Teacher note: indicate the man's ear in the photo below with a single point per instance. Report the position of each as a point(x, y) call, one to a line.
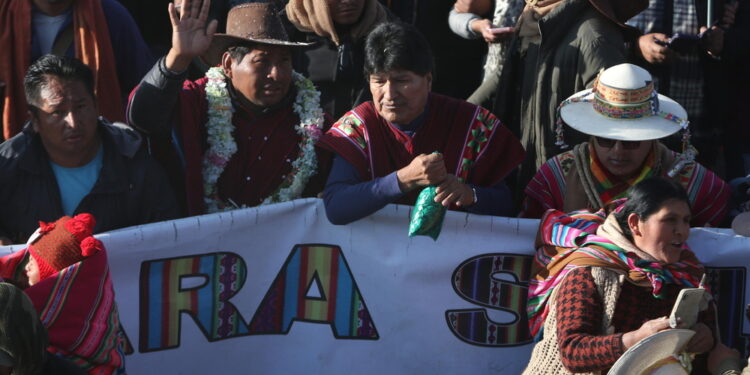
point(634, 222)
point(226, 64)
point(428, 76)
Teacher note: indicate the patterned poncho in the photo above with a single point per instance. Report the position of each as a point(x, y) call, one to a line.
point(560, 184)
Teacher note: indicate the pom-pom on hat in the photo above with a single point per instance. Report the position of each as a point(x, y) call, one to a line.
point(67, 241)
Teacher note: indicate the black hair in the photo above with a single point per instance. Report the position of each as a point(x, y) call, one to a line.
point(237, 53)
point(646, 198)
point(396, 45)
point(22, 335)
point(62, 67)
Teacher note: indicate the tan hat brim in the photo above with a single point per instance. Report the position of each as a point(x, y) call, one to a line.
point(650, 350)
point(581, 116)
point(221, 42)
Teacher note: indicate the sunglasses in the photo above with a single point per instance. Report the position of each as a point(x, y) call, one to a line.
point(610, 143)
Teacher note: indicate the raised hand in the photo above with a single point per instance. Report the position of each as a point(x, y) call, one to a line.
point(191, 37)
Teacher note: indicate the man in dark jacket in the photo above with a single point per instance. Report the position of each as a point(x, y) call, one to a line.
point(68, 160)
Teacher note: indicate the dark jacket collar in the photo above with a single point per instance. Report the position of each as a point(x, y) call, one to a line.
point(119, 141)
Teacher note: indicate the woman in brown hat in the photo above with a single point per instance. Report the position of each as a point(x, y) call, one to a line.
point(247, 131)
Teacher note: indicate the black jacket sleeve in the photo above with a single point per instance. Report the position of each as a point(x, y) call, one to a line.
point(153, 102)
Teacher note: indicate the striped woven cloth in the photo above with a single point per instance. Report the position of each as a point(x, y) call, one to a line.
point(77, 306)
point(708, 194)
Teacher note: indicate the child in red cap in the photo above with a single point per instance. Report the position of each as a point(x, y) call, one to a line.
point(64, 260)
point(55, 246)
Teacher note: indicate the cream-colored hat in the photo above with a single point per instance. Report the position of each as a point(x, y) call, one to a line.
point(657, 354)
point(623, 105)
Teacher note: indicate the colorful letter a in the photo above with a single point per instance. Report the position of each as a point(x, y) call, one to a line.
point(338, 301)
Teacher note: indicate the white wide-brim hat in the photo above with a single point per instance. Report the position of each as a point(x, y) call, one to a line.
point(579, 111)
point(648, 355)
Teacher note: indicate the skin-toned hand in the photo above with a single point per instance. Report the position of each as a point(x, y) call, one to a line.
point(718, 354)
point(483, 26)
point(190, 35)
point(451, 190)
point(653, 52)
point(422, 171)
point(5, 241)
point(647, 329)
point(703, 340)
point(714, 41)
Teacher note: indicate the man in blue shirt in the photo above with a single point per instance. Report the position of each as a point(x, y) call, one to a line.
point(67, 160)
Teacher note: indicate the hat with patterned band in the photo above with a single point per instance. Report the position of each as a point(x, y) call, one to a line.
point(622, 105)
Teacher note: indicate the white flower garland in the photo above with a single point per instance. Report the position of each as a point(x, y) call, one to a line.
point(221, 144)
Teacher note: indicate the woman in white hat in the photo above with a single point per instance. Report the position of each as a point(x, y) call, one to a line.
point(625, 118)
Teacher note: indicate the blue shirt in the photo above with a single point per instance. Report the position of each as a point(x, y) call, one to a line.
point(76, 183)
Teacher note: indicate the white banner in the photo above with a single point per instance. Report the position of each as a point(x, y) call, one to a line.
point(278, 289)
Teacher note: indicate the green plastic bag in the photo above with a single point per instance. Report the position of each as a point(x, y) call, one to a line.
point(427, 216)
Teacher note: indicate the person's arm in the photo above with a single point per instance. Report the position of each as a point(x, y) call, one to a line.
point(460, 24)
point(579, 318)
point(347, 198)
point(154, 100)
point(496, 200)
point(191, 37)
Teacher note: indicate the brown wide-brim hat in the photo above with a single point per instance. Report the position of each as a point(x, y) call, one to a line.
point(620, 11)
point(249, 24)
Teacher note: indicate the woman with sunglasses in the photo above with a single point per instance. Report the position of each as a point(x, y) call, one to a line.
point(625, 118)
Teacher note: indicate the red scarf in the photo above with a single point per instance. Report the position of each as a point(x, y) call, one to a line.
point(475, 145)
point(92, 46)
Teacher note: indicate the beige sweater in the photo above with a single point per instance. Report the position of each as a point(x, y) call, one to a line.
point(545, 358)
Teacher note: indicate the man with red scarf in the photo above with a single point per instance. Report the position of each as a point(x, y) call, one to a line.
point(247, 131)
point(101, 33)
point(407, 138)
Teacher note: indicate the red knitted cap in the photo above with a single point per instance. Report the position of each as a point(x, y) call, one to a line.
point(64, 242)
